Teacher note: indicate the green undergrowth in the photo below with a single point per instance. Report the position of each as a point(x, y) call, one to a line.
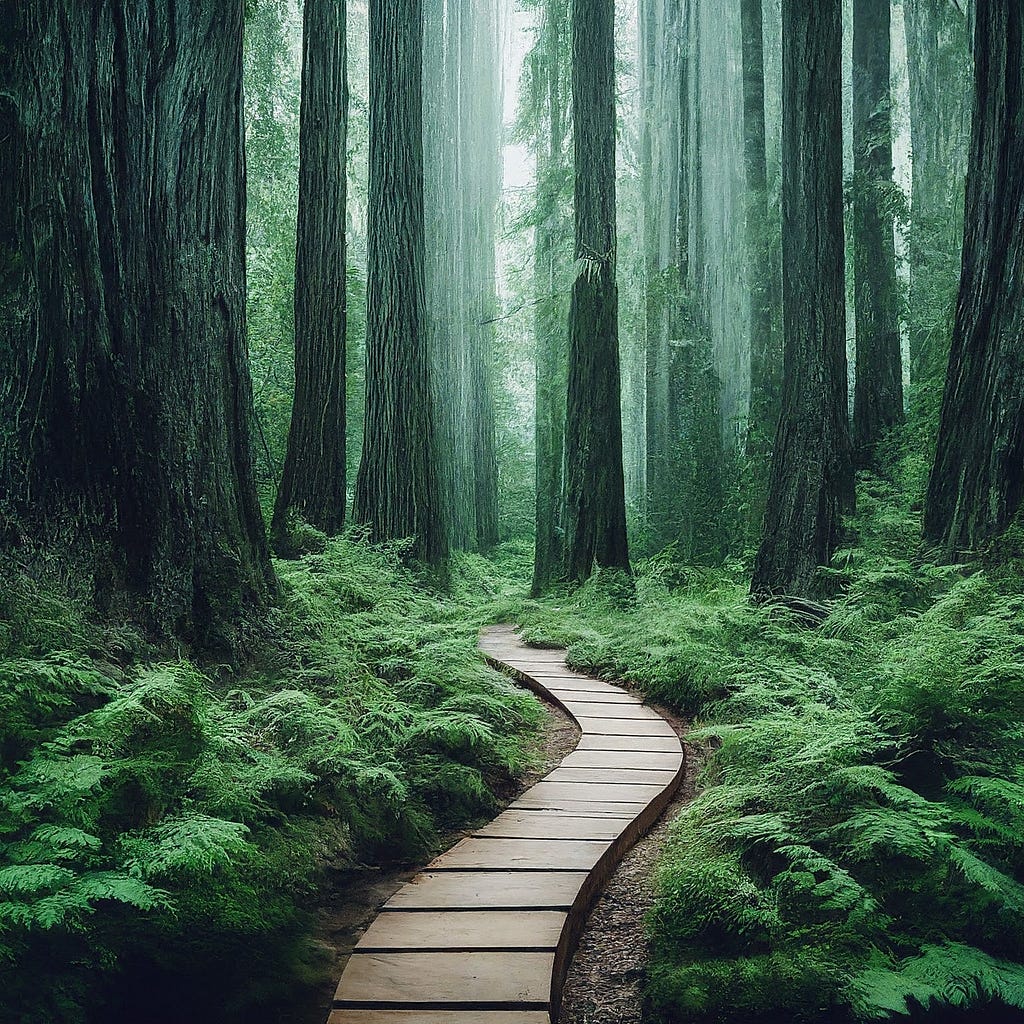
point(162, 824)
point(856, 852)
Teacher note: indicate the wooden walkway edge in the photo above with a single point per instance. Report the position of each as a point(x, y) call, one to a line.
point(485, 934)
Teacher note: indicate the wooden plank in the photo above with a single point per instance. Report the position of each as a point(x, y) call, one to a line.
point(447, 979)
point(654, 744)
point(439, 1017)
point(477, 890)
point(465, 930)
point(625, 759)
point(616, 776)
point(516, 854)
point(553, 825)
point(614, 712)
point(596, 793)
point(624, 727)
point(605, 698)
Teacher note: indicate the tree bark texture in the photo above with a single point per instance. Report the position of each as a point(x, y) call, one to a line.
point(811, 483)
point(397, 488)
point(977, 479)
point(938, 49)
point(552, 274)
point(125, 396)
point(313, 480)
point(595, 487)
point(878, 392)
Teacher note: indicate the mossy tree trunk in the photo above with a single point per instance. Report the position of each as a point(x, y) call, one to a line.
point(878, 393)
point(977, 480)
point(313, 480)
point(595, 488)
point(811, 483)
point(125, 398)
point(397, 488)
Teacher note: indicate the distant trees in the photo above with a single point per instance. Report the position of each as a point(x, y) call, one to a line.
point(765, 351)
point(660, 74)
point(938, 50)
point(398, 492)
point(878, 393)
point(462, 150)
point(811, 483)
point(549, 106)
point(313, 480)
point(977, 481)
point(595, 491)
point(125, 397)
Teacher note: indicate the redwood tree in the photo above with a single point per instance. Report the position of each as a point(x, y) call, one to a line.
point(124, 393)
point(977, 481)
point(878, 395)
point(313, 481)
point(811, 482)
point(595, 489)
point(397, 487)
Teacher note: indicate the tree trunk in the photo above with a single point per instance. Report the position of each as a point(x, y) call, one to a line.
point(977, 480)
point(595, 488)
point(313, 481)
point(878, 394)
point(552, 262)
point(765, 350)
point(125, 396)
point(938, 51)
point(397, 488)
point(811, 482)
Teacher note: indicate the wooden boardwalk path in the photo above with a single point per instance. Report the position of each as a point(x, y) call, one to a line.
point(485, 934)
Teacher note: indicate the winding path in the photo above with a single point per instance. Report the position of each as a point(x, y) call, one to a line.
point(485, 934)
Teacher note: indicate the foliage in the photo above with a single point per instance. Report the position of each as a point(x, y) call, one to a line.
point(857, 850)
point(159, 821)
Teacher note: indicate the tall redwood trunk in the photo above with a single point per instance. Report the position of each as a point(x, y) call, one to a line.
point(977, 481)
point(811, 483)
point(313, 481)
point(878, 395)
point(125, 397)
point(398, 494)
point(595, 487)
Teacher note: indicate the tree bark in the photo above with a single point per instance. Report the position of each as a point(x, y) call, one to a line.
point(811, 483)
point(938, 52)
point(878, 393)
point(552, 261)
point(397, 488)
point(125, 395)
point(313, 480)
point(977, 480)
point(595, 487)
